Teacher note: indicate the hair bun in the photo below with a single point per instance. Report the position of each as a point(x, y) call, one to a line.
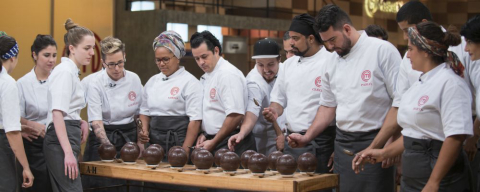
point(452, 37)
point(69, 24)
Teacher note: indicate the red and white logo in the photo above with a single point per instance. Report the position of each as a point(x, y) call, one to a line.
point(174, 91)
point(422, 100)
point(132, 96)
point(366, 75)
point(212, 93)
point(318, 81)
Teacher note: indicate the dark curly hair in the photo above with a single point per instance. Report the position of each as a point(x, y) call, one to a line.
point(471, 29)
point(205, 37)
point(331, 15)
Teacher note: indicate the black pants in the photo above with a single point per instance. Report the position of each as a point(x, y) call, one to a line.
point(118, 135)
point(374, 178)
point(38, 166)
point(55, 157)
point(419, 159)
point(8, 181)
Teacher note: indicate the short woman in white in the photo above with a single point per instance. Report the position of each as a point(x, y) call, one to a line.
point(11, 145)
point(33, 91)
point(435, 114)
point(171, 110)
point(65, 100)
point(114, 98)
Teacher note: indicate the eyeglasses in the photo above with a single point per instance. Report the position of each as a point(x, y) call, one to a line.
point(165, 60)
point(112, 65)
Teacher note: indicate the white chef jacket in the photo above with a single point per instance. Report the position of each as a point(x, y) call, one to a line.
point(437, 106)
point(114, 102)
point(33, 98)
point(259, 89)
point(9, 103)
point(65, 92)
point(224, 92)
point(361, 84)
point(86, 81)
point(178, 95)
point(299, 88)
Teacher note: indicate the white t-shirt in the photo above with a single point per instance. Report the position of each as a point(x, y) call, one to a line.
point(259, 89)
point(361, 84)
point(299, 88)
point(9, 103)
point(178, 95)
point(436, 107)
point(65, 92)
point(224, 92)
point(114, 102)
point(33, 98)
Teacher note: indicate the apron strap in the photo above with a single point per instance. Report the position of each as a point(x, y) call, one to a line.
point(119, 132)
point(175, 138)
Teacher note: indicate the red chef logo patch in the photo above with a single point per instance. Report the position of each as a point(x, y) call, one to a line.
point(366, 75)
point(212, 93)
point(132, 96)
point(174, 91)
point(422, 100)
point(318, 81)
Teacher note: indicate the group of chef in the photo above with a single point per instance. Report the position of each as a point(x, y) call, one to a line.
point(348, 98)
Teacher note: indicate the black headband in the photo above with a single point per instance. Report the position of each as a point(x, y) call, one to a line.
point(303, 24)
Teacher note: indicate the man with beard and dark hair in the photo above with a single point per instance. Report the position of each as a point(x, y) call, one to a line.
point(299, 88)
point(357, 90)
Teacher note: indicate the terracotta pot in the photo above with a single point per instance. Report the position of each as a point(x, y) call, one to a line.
point(153, 155)
point(194, 152)
point(218, 156)
point(272, 160)
point(107, 152)
point(258, 163)
point(230, 161)
point(307, 162)
point(286, 164)
point(204, 159)
point(129, 152)
point(245, 156)
point(177, 156)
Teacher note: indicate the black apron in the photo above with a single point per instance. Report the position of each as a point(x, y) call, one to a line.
point(419, 159)
point(36, 161)
point(55, 157)
point(167, 131)
point(8, 181)
point(374, 178)
point(248, 143)
point(118, 135)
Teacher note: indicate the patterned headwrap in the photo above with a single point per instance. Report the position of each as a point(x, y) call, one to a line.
point(12, 52)
point(437, 49)
point(172, 41)
point(2, 33)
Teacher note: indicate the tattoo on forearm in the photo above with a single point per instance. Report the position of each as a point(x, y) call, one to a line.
point(100, 133)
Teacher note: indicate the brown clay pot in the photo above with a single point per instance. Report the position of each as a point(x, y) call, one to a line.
point(245, 156)
point(230, 161)
point(272, 160)
point(218, 156)
point(153, 155)
point(107, 152)
point(286, 164)
point(194, 152)
point(257, 163)
point(177, 156)
point(204, 159)
point(307, 162)
point(129, 152)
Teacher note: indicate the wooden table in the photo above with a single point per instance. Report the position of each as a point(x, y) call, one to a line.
point(191, 177)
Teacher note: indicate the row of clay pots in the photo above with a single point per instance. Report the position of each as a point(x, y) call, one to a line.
point(203, 159)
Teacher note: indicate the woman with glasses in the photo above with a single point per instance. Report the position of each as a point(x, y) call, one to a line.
point(114, 98)
point(171, 110)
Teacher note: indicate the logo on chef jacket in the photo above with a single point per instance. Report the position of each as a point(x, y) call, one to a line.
point(318, 83)
point(366, 76)
point(213, 92)
point(174, 91)
point(132, 96)
point(422, 100)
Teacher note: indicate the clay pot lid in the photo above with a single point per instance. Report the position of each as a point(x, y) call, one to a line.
point(245, 156)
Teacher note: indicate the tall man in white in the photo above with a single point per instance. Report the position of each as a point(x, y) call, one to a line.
point(225, 95)
point(298, 88)
point(358, 89)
